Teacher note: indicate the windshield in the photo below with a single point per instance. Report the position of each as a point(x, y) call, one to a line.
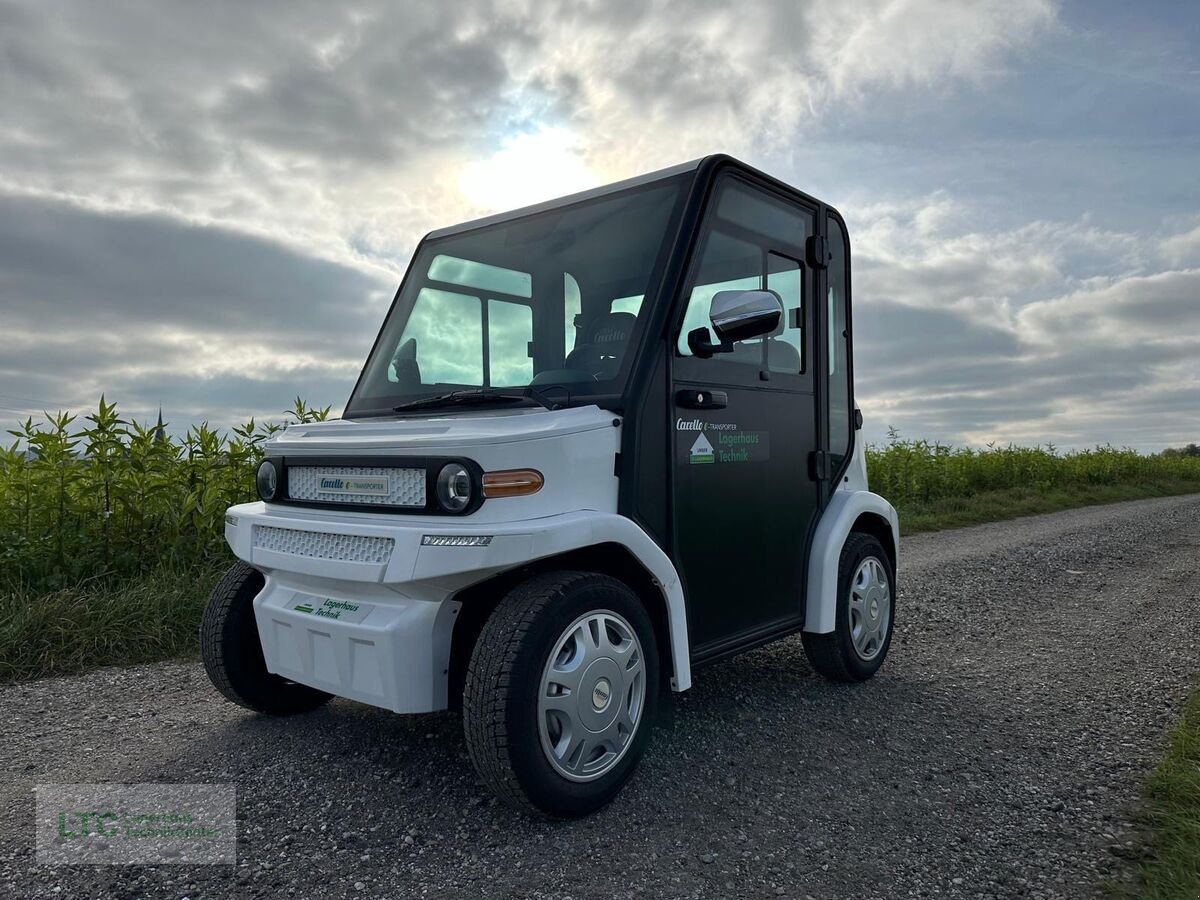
point(551, 300)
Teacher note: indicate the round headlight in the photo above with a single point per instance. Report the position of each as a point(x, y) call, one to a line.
point(267, 480)
point(454, 487)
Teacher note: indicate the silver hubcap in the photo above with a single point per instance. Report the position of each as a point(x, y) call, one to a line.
point(591, 696)
point(870, 608)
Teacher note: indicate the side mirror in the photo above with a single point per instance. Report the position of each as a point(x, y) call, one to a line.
point(740, 315)
point(736, 316)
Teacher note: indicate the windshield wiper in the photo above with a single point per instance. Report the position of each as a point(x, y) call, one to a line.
point(478, 396)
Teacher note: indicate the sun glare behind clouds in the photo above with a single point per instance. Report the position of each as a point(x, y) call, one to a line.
point(528, 168)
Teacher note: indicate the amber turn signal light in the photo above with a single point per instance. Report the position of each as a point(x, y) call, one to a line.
point(512, 482)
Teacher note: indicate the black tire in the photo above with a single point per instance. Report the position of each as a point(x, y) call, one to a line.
point(233, 656)
point(834, 655)
point(504, 676)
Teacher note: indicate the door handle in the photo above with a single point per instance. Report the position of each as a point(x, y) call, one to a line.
point(702, 399)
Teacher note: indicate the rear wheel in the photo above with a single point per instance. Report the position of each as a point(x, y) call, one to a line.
point(561, 692)
point(233, 656)
point(862, 633)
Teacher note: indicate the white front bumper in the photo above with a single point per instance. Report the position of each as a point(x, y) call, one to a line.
point(392, 649)
point(355, 605)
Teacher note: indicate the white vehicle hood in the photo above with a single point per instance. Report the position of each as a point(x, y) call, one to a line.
point(438, 430)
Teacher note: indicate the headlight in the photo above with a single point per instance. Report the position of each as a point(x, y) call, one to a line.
point(267, 480)
point(454, 487)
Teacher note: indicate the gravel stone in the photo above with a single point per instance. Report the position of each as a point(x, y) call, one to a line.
point(1036, 668)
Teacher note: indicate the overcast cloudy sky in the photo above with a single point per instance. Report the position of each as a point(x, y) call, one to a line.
point(208, 205)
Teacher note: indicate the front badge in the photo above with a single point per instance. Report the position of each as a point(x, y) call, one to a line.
point(373, 485)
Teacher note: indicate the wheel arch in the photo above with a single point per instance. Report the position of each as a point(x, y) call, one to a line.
point(848, 511)
point(878, 527)
point(610, 558)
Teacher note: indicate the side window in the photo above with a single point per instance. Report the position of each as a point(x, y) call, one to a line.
point(753, 242)
point(785, 353)
point(442, 341)
point(482, 277)
point(728, 264)
point(627, 304)
point(838, 299)
point(447, 329)
point(510, 331)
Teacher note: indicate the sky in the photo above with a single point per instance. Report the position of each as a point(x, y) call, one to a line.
point(208, 206)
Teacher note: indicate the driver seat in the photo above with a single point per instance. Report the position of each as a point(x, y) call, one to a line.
point(607, 339)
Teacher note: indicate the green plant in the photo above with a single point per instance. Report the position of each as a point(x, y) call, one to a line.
point(105, 499)
point(111, 530)
point(918, 472)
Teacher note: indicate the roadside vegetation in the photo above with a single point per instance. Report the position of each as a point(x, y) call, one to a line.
point(112, 535)
point(1171, 870)
point(935, 485)
point(111, 530)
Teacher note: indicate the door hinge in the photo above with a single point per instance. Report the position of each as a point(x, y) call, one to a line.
point(617, 464)
point(816, 250)
point(818, 465)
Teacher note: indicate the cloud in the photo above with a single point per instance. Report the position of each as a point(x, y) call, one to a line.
point(209, 204)
point(154, 310)
point(1183, 249)
point(1053, 331)
point(897, 44)
point(1161, 308)
point(343, 129)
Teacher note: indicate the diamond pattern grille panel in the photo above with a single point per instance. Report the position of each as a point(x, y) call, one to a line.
point(324, 545)
point(406, 487)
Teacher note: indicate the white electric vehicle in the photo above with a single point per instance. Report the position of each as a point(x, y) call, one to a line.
point(598, 443)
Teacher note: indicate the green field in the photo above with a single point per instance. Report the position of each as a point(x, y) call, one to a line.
point(936, 485)
point(111, 531)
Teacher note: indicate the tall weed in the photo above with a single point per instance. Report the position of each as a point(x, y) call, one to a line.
point(102, 499)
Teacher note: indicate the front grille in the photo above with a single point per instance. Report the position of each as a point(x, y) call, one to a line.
point(405, 487)
point(323, 545)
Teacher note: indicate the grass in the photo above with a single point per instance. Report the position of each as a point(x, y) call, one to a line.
point(1171, 870)
point(992, 506)
point(153, 617)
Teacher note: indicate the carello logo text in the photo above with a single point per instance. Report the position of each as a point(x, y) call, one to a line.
point(682, 424)
point(335, 484)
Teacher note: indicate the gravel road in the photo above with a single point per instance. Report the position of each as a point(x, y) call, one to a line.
point(1036, 668)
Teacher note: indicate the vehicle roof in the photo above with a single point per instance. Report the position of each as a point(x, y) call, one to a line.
point(605, 189)
point(568, 199)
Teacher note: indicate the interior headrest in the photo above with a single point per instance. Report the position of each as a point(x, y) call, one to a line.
point(611, 329)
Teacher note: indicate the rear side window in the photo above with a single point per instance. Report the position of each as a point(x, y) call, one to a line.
point(446, 332)
point(480, 276)
point(510, 331)
point(443, 324)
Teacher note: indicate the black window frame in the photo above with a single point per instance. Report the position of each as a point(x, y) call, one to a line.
point(837, 475)
point(715, 370)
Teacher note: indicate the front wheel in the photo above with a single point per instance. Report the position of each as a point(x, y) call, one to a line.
point(862, 633)
point(233, 656)
point(561, 692)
